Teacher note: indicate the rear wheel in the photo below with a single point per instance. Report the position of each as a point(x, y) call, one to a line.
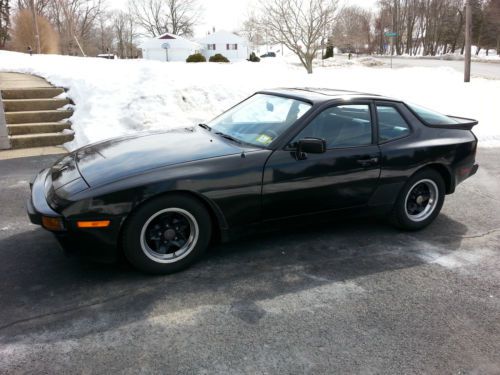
point(420, 200)
point(167, 234)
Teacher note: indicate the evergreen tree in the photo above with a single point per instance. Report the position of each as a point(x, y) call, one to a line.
point(328, 52)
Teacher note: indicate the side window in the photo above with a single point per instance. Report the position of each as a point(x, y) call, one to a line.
point(391, 125)
point(341, 126)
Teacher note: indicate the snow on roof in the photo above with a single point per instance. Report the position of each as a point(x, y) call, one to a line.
point(174, 42)
point(222, 36)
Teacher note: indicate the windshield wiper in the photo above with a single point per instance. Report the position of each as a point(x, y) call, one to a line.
point(205, 126)
point(227, 136)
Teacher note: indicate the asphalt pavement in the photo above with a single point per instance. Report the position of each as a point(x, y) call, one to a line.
point(346, 297)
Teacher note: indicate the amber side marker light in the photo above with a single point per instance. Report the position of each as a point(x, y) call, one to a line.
point(93, 224)
point(52, 223)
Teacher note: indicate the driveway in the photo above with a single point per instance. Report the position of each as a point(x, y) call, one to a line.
point(348, 297)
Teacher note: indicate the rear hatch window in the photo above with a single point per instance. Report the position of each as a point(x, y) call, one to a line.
point(433, 118)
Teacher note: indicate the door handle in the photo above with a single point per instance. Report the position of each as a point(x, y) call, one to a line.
point(368, 161)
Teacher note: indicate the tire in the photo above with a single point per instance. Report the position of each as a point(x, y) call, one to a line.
point(413, 213)
point(166, 234)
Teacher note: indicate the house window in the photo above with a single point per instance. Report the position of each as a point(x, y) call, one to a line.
point(211, 47)
point(231, 46)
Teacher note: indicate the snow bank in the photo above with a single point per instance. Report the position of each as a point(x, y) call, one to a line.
point(492, 58)
point(115, 97)
point(344, 62)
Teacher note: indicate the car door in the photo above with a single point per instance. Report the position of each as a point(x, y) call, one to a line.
point(343, 176)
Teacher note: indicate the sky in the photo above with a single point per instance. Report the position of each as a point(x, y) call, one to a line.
point(228, 14)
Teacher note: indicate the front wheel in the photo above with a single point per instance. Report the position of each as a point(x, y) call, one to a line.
point(167, 234)
point(420, 200)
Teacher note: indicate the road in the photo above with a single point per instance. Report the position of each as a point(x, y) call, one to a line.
point(348, 297)
point(479, 69)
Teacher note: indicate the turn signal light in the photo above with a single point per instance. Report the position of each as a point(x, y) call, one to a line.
point(93, 224)
point(52, 223)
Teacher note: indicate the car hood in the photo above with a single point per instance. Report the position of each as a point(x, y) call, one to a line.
point(118, 158)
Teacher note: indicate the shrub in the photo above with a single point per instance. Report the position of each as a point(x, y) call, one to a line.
point(218, 58)
point(254, 57)
point(196, 57)
point(22, 33)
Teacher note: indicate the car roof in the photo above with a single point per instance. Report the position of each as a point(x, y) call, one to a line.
point(323, 94)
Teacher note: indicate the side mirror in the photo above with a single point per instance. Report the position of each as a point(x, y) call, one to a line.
point(310, 146)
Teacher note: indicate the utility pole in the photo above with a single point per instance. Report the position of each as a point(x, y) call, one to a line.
point(394, 15)
point(35, 27)
point(468, 37)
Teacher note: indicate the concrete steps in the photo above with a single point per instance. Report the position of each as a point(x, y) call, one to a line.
point(39, 140)
point(32, 93)
point(17, 105)
point(39, 127)
point(34, 117)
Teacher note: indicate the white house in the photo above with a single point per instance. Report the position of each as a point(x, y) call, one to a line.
point(168, 47)
point(228, 44)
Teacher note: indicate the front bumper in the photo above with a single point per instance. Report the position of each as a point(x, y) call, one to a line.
point(96, 244)
point(37, 205)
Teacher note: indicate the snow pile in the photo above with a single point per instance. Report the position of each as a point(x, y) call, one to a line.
point(458, 57)
point(369, 61)
point(333, 62)
point(115, 97)
point(484, 58)
point(345, 62)
point(452, 57)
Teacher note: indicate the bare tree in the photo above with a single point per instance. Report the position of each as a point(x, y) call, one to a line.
point(125, 35)
point(429, 27)
point(41, 6)
point(183, 15)
point(486, 24)
point(158, 17)
point(119, 25)
point(104, 32)
point(253, 30)
point(76, 21)
point(4, 22)
point(299, 24)
point(351, 30)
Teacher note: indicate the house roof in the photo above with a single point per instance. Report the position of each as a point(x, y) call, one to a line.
point(174, 41)
point(222, 36)
point(168, 36)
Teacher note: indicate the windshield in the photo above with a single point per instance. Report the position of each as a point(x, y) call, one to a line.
point(260, 119)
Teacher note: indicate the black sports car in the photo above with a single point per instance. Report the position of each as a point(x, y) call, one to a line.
point(160, 198)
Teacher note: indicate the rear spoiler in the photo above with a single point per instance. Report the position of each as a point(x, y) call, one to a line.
point(462, 123)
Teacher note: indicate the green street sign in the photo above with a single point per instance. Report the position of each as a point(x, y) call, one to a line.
point(391, 34)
